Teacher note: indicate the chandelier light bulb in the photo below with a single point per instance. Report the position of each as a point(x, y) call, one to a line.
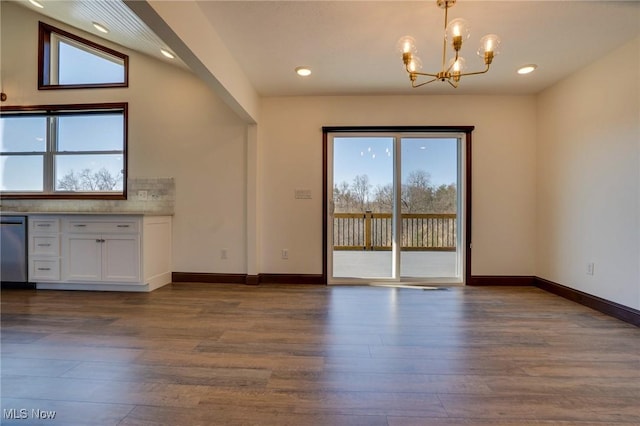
point(489, 43)
point(415, 65)
point(458, 28)
point(407, 44)
point(457, 66)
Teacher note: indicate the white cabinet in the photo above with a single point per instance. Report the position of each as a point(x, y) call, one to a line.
point(110, 256)
point(83, 260)
point(103, 252)
point(44, 248)
point(120, 258)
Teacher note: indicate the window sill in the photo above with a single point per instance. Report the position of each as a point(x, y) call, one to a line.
point(83, 196)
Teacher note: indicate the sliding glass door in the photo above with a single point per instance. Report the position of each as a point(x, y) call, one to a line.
point(362, 206)
point(395, 207)
point(429, 207)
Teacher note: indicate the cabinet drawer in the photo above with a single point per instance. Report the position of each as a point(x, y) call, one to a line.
point(44, 270)
point(120, 227)
point(40, 225)
point(44, 245)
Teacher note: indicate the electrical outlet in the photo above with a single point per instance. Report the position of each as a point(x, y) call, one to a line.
point(224, 254)
point(285, 254)
point(590, 268)
point(143, 195)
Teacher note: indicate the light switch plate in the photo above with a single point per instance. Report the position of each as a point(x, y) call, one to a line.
point(303, 194)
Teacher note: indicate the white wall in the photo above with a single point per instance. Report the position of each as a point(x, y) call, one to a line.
point(588, 200)
point(177, 128)
point(503, 209)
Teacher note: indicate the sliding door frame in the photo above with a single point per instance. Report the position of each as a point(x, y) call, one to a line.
point(467, 130)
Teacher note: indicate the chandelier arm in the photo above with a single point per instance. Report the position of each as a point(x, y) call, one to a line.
point(413, 85)
point(425, 74)
point(475, 73)
point(455, 85)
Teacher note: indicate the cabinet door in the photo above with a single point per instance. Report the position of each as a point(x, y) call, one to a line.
point(83, 257)
point(121, 258)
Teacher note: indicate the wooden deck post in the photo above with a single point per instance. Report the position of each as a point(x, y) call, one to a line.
point(367, 230)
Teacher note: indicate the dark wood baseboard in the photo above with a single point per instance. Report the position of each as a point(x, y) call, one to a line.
point(193, 277)
point(252, 280)
point(616, 310)
point(19, 286)
point(197, 277)
point(501, 280)
point(292, 279)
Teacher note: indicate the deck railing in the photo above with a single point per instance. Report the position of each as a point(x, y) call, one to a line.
point(372, 231)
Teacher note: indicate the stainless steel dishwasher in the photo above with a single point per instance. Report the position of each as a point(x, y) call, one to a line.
point(13, 249)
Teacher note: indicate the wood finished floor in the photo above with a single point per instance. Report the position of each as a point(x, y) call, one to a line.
point(196, 354)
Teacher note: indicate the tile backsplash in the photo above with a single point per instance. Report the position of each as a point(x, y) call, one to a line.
point(144, 195)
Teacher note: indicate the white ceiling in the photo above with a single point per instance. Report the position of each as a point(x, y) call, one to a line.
point(350, 45)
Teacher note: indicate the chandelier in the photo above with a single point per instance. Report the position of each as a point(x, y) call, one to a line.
point(456, 32)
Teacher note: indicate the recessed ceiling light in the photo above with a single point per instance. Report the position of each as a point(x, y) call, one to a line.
point(100, 27)
point(527, 69)
point(303, 71)
point(36, 4)
point(167, 54)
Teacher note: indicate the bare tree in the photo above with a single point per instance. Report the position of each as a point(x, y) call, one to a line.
point(360, 189)
point(383, 199)
point(88, 180)
point(417, 193)
point(343, 198)
point(445, 199)
point(418, 196)
point(69, 182)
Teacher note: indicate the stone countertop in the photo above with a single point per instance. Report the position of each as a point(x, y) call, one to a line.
point(80, 213)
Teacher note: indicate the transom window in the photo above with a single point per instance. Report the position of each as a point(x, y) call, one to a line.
point(66, 61)
point(76, 151)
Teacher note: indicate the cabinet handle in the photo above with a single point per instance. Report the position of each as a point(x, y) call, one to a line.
point(100, 241)
point(123, 226)
point(44, 245)
point(43, 225)
point(44, 269)
point(82, 225)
